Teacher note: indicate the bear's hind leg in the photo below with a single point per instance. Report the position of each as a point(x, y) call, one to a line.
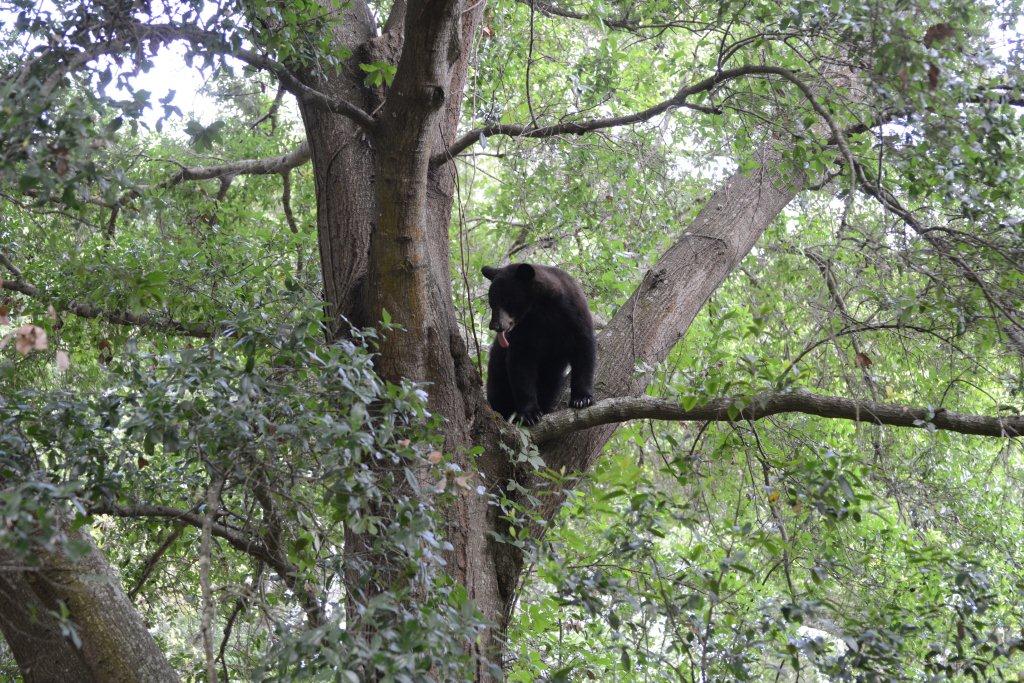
point(550, 383)
point(581, 387)
point(499, 389)
point(523, 373)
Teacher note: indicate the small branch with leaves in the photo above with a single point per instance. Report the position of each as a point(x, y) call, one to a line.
point(872, 187)
point(217, 43)
point(236, 538)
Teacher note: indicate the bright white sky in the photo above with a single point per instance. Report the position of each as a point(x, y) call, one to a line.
point(171, 73)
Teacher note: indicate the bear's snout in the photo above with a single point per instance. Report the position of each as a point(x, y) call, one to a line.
point(500, 321)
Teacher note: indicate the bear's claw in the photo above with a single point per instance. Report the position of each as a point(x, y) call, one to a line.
point(581, 402)
point(530, 416)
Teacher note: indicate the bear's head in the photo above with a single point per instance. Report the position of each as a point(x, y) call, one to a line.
point(512, 293)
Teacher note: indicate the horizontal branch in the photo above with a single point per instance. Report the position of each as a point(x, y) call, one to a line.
point(626, 408)
point(288, 572)
point(136, 32)
point(281, 163)
point(277, 164)
point(235, 538)
point(547, 9)
point(580, 127)
point(83, 310)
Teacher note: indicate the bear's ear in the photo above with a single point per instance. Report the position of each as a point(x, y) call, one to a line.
point(525, 272)
point(489, 272)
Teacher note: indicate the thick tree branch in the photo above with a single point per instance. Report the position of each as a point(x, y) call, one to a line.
point(396, 19)
point(678, 100)
point(32, 630)
point(235, 538)
point(216, 42)
point(6, 263)
point(115, 643)
point(625, 408)
point(672, 292)
point(83, 310)
point(264, 166)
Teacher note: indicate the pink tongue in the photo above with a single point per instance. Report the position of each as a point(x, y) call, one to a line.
point(502, 340)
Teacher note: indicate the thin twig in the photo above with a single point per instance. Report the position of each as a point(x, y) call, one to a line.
point(205, 550)
point(241, 602)
point(154, 560)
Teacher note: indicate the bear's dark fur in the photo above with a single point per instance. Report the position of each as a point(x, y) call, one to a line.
point(543, 325)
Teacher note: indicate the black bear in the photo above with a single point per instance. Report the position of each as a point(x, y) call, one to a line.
point(543, 324)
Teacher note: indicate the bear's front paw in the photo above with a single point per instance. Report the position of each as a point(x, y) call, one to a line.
point(583, 401)
point(530, 416)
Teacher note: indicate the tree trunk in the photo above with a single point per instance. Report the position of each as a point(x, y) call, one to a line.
point(407, 274)
point(383, 220)
point(115, 643)
point(32, 632)
point(343, 161)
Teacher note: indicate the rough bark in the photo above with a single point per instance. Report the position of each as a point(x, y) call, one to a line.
point(476, 558)
point(116, 645)
point(33, 634)
point(343, 163)
point(408, 270)
point(400, 260)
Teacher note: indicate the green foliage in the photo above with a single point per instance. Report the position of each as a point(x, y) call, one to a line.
point(756, 551)
point(204, 137)
point(791, 547)
point(378, 73)
point(306, 432)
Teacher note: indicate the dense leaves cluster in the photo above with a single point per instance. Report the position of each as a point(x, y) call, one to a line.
point(303, 441)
